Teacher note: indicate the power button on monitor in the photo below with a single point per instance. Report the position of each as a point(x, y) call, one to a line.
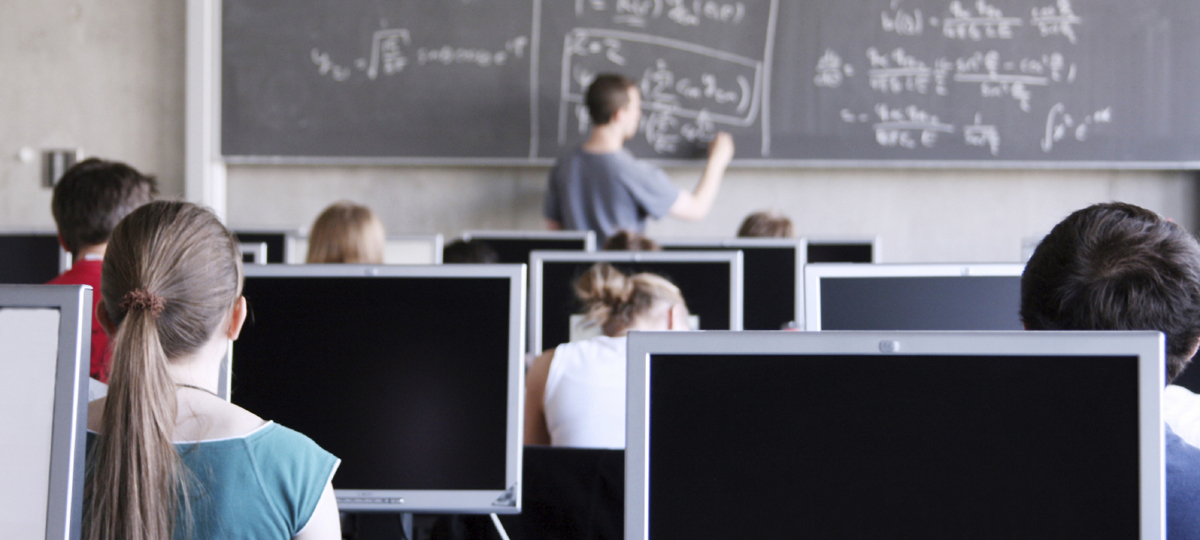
point(889, 346)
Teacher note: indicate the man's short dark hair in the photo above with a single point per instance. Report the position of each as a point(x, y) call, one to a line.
point(1117, 266)
point(93, 196)
point(606, 94)
point(469, 252)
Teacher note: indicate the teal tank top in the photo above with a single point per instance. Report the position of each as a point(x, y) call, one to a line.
point(262, 485)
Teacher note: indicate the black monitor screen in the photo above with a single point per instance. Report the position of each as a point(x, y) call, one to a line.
point(276, 244)
point(29, 259)
point(705, 287)
point(768, 284)
point(921, 303)
point(930, 447)
point(516, 250)
point(404, 379)
point(843, 252)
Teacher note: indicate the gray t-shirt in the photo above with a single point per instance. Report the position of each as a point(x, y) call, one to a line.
point(607, 192)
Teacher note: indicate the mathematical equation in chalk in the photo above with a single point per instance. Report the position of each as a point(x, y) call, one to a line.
point(897, 72)
point(636, 13)
point(981, 20)
point(688, 91)
point(913, 128)
point(392, 52)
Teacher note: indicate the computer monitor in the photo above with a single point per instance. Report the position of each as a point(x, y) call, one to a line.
point(895, 435)
point(843, 250)
point(711, 283)
point(515, 246)
point(45, 338)
point(412, 375)
point(253, 253)
point(912, 296)
point(280, 243)
point(31, 257)
point(413, 249)
point(773, 276)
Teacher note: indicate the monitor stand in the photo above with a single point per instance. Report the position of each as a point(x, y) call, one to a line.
point(393, 526)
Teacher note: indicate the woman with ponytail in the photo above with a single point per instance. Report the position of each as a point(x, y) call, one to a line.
point(575, 393)
point(167, 458)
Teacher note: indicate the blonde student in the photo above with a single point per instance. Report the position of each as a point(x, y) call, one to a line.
point(575, 393)
point(168, 458)
point(346, 233)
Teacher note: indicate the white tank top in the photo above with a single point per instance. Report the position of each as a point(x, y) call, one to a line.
point(585, 394)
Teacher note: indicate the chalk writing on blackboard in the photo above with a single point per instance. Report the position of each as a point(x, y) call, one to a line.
point(636, 13)
point(979, 134)
point(718, 88)
point(1060, 124)
point(392, 52)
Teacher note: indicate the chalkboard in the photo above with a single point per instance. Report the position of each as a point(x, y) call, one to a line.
point(1101, 83)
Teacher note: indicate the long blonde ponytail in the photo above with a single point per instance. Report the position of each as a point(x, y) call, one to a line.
point(171, 274)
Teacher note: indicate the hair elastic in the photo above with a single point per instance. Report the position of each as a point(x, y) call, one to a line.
point(141, 299)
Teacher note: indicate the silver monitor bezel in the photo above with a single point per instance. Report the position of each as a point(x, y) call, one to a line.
point(799, 244)
point(289, 239)
point(257, 249)
point(69, 433)
point(875, 241)
point(588, 237)
point(507, 501)
point(813, 273)
point(538, 258)
point(1149, 347)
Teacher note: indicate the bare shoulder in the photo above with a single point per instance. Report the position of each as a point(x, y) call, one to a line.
point(208, 417)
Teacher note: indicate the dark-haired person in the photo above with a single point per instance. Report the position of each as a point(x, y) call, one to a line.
point(601, 187)
point(167, 457)
point(88, 201)
point(469, 252)
point(575, 393)
point(629, 241)
point(1116, 266)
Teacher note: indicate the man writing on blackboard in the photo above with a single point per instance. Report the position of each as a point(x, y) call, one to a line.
point(602, 187)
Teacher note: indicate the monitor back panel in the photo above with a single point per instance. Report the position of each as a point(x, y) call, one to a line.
point(29, 259)
point(277, 243)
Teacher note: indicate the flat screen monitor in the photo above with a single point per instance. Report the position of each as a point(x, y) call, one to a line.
point(514, 247)
point(253, 253)
point(912, 296)
point(31, 258)
point(413, 249)
point(773, 270)
point(45, 338)
point(412, 375)
point(711, 283)
point(279, 243)
point(843, 250)
point(938, 436)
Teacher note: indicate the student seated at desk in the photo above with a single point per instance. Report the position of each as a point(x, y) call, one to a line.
point(167, 458)
point(346, 233)
point(88, 201)
point(1117, 266)
point(575, 393)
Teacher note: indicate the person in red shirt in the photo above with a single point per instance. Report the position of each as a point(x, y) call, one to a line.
point(88, 202)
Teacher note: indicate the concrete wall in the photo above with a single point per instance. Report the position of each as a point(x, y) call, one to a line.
point(102, 76)
point(922, 216)
point(108, 77)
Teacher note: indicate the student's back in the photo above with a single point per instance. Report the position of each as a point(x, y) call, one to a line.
point(88, 201)
point(166, 456)
point(1120, 267)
